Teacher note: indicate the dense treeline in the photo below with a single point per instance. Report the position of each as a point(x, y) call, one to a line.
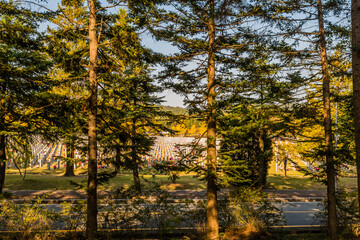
point(251, 73)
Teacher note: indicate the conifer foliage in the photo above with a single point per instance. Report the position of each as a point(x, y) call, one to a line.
point(23, 69)
point(211, 36)
point(355, 23)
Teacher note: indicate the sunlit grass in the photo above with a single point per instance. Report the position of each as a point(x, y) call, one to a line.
point(306, 183)
point(297, 180)
point(54, 180)
point(43, 179)
point(292, 182)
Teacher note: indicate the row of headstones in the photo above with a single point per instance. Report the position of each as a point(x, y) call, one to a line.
point(42, 159)
point(37, 152)
point(46, 158)
point(151, 161)
point(57, 165)
point(161, 153)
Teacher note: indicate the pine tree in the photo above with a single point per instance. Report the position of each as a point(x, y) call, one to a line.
point(260, 107)
point(91, 222)
point(293, 18)
point(211, 37)
point(23, 69)
point(329, 151)
point(129, 107)
point(116, 66)
point(244, 157)
point(355, 24)
point(76, 46)
point(68, 48)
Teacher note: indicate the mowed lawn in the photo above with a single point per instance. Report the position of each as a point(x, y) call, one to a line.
point(297, 180)
point(56, 181)
point(306, 183)
point(51, 180)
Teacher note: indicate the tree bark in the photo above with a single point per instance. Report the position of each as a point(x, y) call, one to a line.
point(117, 159)
point(212, 226)
point(137, 180)
point(262, 163)
point(69, 170)
point(134, 161)
point(355, 38)
point(2, 162)
point(91, 222)
point(329, 151)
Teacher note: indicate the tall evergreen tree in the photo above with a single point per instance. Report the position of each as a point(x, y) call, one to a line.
point(68, 48)
point(246, 149)
point(91, 222)
point(294, 18)
point(115, 67)
point(128, 102)
point(23, 69)
point(329, 149)
point(355, 37)
point(211, 36)
point(78, 59)
point(260, 106)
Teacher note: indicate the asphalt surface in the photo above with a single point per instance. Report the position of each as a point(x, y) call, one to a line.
point(285, 195)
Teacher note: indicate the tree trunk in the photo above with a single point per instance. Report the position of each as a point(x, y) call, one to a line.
point(212, 226)
point(134, 161)
point(2, 162)
point(355, 22)
point(330, 166)
point(69, 170)
point(117, 160)
point(137, 183)
point(262, 163)
point(91, 222)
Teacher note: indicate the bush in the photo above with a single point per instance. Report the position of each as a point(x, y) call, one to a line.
point(154, 209)
point(29, 220)
point(249, 214)
point(347, 214)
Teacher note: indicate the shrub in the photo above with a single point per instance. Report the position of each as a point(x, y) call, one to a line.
point(28, 220)
point(249, 214)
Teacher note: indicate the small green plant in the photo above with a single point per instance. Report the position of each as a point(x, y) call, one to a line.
point(73, 215)
point(347, 217)
point(153, 210)
point(29, 219)
point(248, 214)
point(5, 195)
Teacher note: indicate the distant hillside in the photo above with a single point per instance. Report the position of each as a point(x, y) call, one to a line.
point(176, 110)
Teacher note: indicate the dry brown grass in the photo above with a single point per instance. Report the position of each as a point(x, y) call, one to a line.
point(249, 232)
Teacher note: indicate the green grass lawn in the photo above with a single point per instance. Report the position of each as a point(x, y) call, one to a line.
point(42, 179)
point(51, 180)
point(297, 180)
point(306, 183)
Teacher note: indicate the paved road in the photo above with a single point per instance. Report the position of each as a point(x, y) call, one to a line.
point(294, 195)
point(300, 213)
